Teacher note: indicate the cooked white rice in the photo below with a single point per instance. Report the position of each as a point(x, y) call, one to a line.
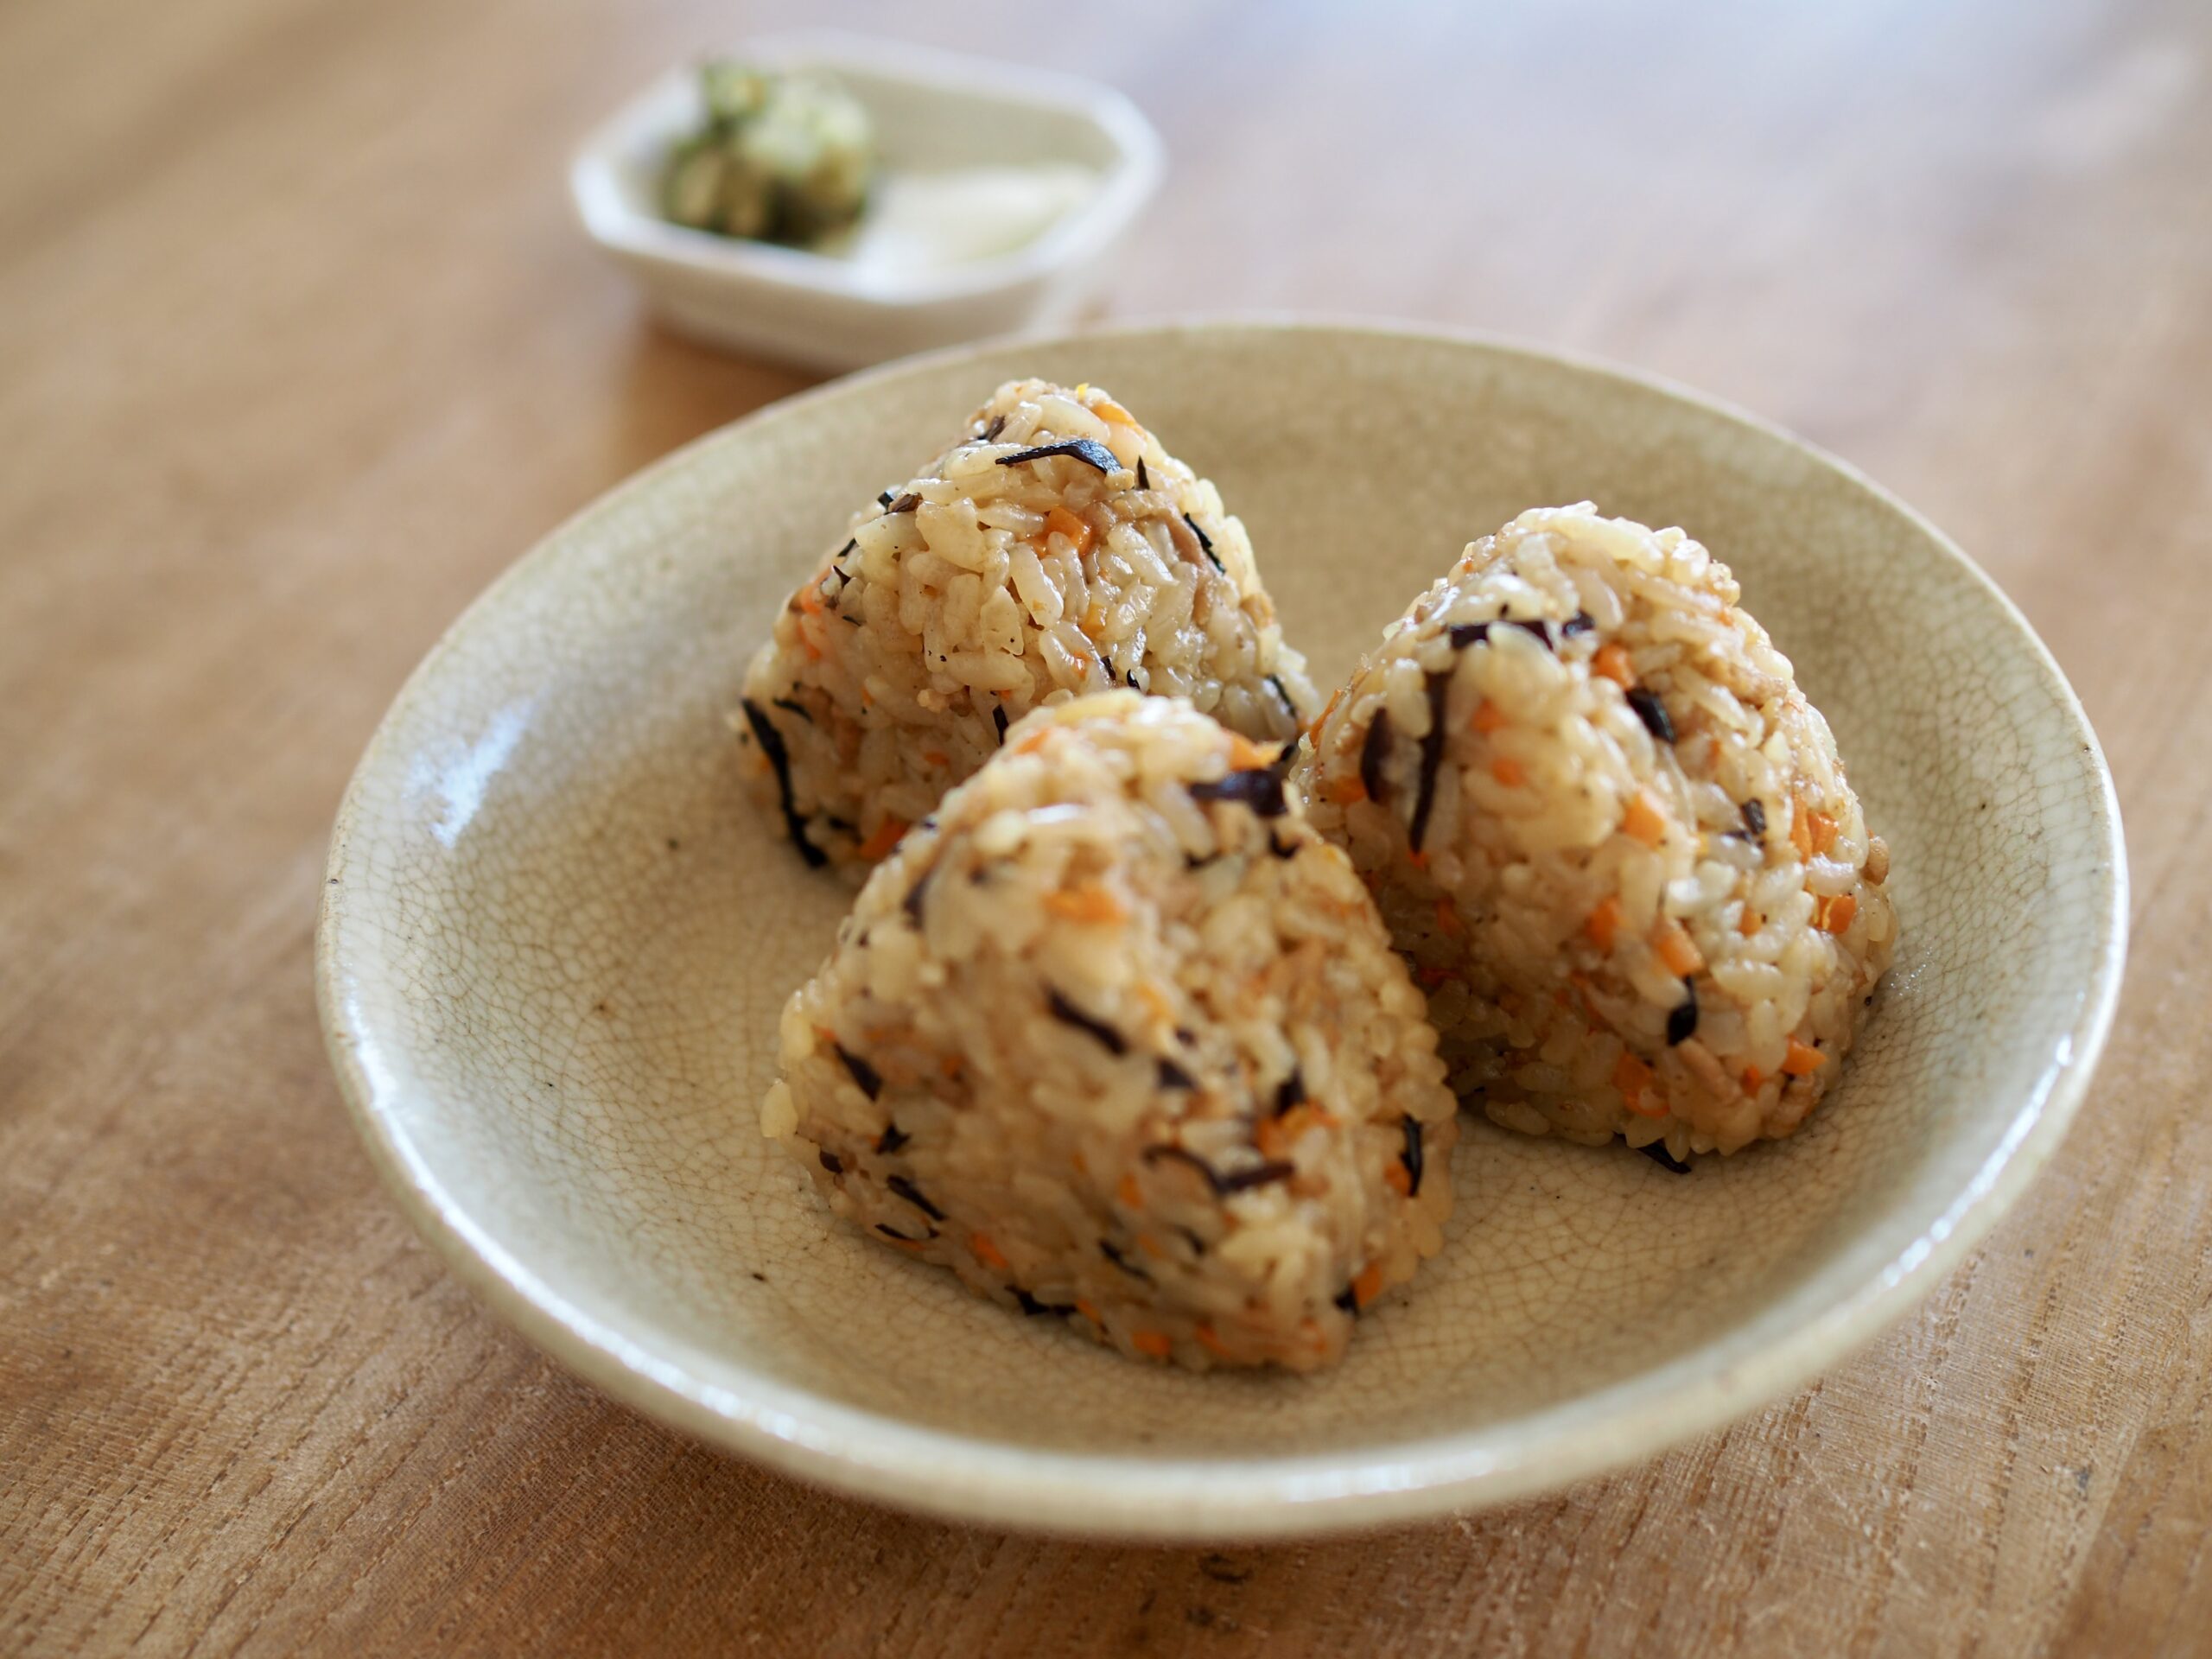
point(1120, 1039)
point(1055, 551)
point(1612, 836)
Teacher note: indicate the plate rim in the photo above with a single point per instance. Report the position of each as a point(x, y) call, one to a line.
point(1184, 1498)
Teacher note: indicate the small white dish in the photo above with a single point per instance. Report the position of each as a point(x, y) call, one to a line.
point(933, 112)
point(557, 936)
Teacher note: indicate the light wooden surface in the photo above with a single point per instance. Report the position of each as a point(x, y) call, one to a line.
point(298, 349)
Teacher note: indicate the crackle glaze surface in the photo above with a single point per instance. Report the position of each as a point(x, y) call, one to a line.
point(556, 936)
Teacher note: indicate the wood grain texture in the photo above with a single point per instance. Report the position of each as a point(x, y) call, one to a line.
point(298, 349)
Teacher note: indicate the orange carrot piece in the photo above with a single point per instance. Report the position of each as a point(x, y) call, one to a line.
point(1244, 753)
point(1644, 819)
point(1801, 830)
point(1210, 1339)
point(1612, 662)
point(1676, 948)
point(949, 1067)
point(1128, 1193)
point(1369, 1285)
point(1090, 903)
point(1749, 923)
point(1834, 915)
point(1085, 1307)
point(1822, 829)
point(1508, 772)
point(887, 837)
point(1400, 1182)
point(1153, 1344)
point(1106, 409)
point(986, 1252)
point(1344, 791)
point(1752, 1078)
point(1605, 922)
point(1488, 717)
point(937, 757)
point(1802, 1062)
point(1632, 1077)
point(1060, 522)
point(1447, 917)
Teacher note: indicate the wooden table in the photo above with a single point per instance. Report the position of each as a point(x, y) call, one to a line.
point(298, 347)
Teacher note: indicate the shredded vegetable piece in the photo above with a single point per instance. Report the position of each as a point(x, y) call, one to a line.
point(1060, 522)
point(887, 837)
point(1676, 948)
point(1644, 819)
point(1801, 1061)
point(1604, 923)
point(1090, 904)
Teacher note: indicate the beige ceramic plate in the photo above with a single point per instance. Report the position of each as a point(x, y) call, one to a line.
point(556, 938)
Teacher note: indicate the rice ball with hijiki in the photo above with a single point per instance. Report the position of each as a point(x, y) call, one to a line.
point(1055, 549)
point(1613, 838)
point(1118, 1038)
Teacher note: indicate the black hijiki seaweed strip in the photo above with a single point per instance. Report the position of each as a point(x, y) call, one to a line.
point(864, 1074)
point(1143, 483)
point(1068, 1014)
point(1257, 787)
point(1198, 1244)
point(1279, 849)
point(1540, 628)
point(1029, 1304)
point(1754, 819)
point(1464, 634)
point(772, 745)
point(1374, 750)
point(1411, 1157)
point(1205, 544)
point(907, 1190)
point(1652, 713)
point(998, 720)
point(1347, 1299)
point(892, 1139)
point(1172, 1075)
point(1681, 1019)
point(905, 503)
point(1580, 622)
point(1089, 451)
point(905, 1238)
point(1275, 680)
point(1241, 1180)
point(1290, 1092)
point(831, 1162)
point(997, 426)
point(885, 499)
point(785, 702)
point(1658, 1153)
point(912, 904)
point(1432, 758)
point(1106, 1250)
